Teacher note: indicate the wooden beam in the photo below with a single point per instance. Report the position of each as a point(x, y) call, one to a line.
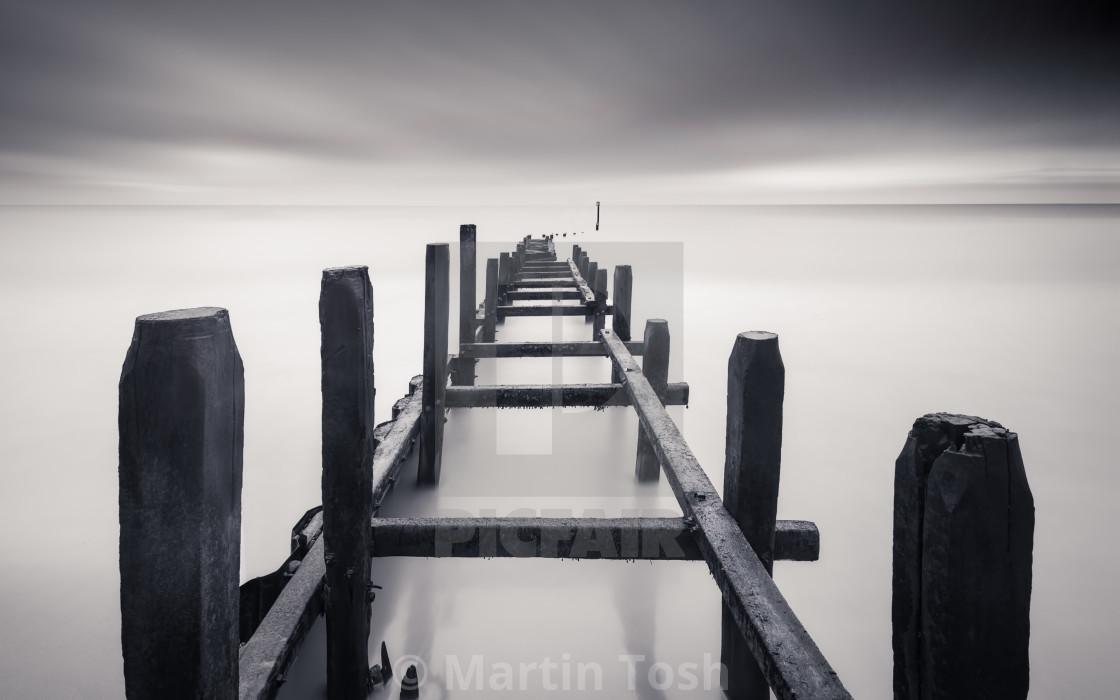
point(467, 286)
point(586, 348)
point(543, 284)
point(541, 395)
point(584, 289)
point(788, 656)
point(435, 363)
point(751, 473)
point(555, 295)
point(600, 288)
point(490, 304)
point(655, 367)
point(570, 538)
point(346, 322)
point(544, 310)
point(181, 437)
point(963, 549)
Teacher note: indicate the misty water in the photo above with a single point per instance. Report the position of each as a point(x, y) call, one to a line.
point(884, 313)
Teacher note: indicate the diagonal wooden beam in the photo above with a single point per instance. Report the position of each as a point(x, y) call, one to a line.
point(789, 658)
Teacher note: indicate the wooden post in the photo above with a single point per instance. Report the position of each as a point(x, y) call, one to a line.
point(181, 428)
point(435, 363)
point(504, 276)
point(589, 276)
point(584, 261)
point(963, 540)
point(576, 250)
point(346, 325)
point(464, 375)
point(620, 316)
point(655, 367)
point(752, 466)
point(490, 315)
point(599, 322)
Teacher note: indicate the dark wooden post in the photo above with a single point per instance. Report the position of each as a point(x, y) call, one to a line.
point(655, 367)
point(504, 276)
point(589, 274)
point(620, 316)
point(181, 428)
point(752, 465)
point(600, 320)
point(435, 363)
point(576, 254)
point(963, 540)
point(346, 326)
point(490, 309)
point(464, 375)
point(584, 261)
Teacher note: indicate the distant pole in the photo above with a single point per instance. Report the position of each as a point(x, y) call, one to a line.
point(181, 426)
point(435, 363)
point(751, 471)
point(464, 375)
point(346, 326)
point(596, 216)
point(655, 367)
point(963, 541)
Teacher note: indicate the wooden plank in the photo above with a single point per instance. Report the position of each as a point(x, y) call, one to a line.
point(545, 310)
point(543, 284)
point(555, 295)
point(435, 363)
point(585, 348)
point(346, 323)
point(963, 540)
point(788, 656)
point(266, 657)
point(584, 289)
point(541, 395)
point(575, 538)
point(751, 473)
point(467, 285)
point(655, 365)
point(181, 430)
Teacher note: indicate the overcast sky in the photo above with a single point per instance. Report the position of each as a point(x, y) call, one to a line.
point(518, 102)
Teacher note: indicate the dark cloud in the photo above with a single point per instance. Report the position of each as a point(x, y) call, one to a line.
point(213, 98)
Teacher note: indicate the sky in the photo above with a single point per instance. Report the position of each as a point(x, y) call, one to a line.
point(635, 102)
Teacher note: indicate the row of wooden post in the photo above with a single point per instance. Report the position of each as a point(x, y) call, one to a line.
point(964, 514)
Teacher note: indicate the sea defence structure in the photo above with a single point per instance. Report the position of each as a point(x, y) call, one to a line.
point(963, 519)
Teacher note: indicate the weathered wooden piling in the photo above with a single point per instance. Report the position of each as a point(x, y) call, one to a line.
point(435, 363)
point(576, 250)
point(490, 304)
point(963, 540)
point(505, 276)
point(620, 317)
point(464, 375)
point(655, 367)
point(751, 472)
point(346, 325)
point(599, 321)
point(181, 429)
point(584, 262)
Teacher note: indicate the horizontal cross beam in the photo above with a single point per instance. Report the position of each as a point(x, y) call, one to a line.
point(566, 538)
point(542, 395)
point(547, 310)
point(789, 658)
point(555, 295)
point(585, 348)
point(542, 284)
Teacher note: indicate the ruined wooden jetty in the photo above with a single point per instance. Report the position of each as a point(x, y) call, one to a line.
point(181, 438)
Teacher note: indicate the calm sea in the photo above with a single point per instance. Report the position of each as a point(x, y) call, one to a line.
point(884, 313)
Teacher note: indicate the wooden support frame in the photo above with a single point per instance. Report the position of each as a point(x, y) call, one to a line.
point(789, 658)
